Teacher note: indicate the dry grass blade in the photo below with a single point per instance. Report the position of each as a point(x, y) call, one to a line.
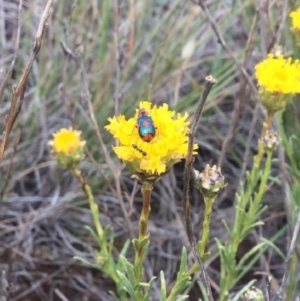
point(281, 295)
point(10, 70)
point(224, 44)
point(19, 89)
point(4, 287)
point(239, 104)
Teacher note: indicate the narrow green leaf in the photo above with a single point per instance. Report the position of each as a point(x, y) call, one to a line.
point(243, 290)
point(114, 295)
point(130, 272)
point(87, 263)
point(94, 235)
point(125, 247)
point(126, 286)
point(248, 254)
point(226, 226)
point(163, 290)
point(183, 262)
point(272, 245)
point(148, 292)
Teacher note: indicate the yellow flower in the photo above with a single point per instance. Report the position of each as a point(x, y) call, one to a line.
point(295, 15)
point(278, 75)
point(278, 79)
point(66, 141)
point(154, 157)
point(68, 147)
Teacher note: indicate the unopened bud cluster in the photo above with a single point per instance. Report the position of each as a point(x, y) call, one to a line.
point(270, 141)
point(254, 294)
point(210, 182)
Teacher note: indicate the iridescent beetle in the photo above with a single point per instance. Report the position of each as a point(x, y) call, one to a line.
point(145, 126)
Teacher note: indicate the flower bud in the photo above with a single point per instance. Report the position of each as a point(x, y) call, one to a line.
point(270, 141)
point(254, 294)
point(210, 182)
point(274, 102)
point(295, 15)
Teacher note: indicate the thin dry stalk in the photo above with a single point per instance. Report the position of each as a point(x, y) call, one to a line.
point(263, 16)
point(12, 65)
point(209, 82)
point(117, 94)
point(269, 288)
point(159, 53)
point(278, 33)
point(19, 89)
point(217, 32)
point(4, 287)
point(281, 295)
point(238, 104)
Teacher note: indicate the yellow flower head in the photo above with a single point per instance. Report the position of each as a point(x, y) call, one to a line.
point(68, 147)
point(278, 75)
point(278, 79)
point(66, 141)
point(295, 15)
point(154, 154)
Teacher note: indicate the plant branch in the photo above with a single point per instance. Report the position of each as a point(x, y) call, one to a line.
point(217, 32)
point(19, 89)
point(205, 228)
point(209, 82)
point(93, 206)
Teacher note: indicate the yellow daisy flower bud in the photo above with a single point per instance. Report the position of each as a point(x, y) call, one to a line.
point(278, 79)
point(152, 141)
point(295, 15)
point(68, 147)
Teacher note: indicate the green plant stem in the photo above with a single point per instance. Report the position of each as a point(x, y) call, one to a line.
point(141, 244)
point(205, 228)
point(252, 181)
point(193, 269)
point(254, 209)
point(244, 221)
point(93, 206)
point(109, 261)
point(263, 183)
point(143, 224)
point(260, 153)
point(244, 218)
point(205, 233)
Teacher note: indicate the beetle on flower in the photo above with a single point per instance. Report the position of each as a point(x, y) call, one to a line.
point(152, 155)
